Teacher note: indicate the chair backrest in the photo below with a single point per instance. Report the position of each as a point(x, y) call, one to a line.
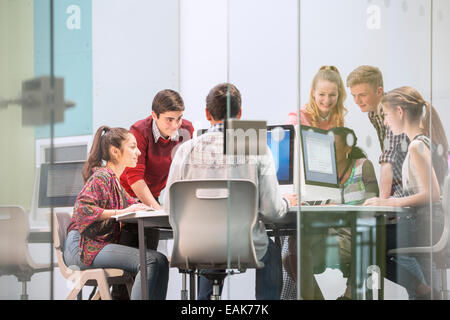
point(443, 241)
point(14, 230)
point(61, 221)
point(212, 222)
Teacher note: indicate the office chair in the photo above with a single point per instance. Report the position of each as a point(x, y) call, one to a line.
point(440, 249)
point(15, 256)
point(212, 222)
point(102, 278)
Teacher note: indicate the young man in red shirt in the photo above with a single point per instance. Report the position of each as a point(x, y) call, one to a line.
point(156, 136)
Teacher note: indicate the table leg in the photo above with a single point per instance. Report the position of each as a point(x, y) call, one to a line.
point(143, 259)
point(369, 292)
point(381, 252)
point(192, 286)
point(353, 238)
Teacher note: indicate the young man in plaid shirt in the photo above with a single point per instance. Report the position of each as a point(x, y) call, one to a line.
point(366, 87)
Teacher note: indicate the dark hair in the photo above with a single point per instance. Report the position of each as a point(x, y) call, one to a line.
point(343, 133)
point(104, 138)
point(217, 101)
point(167, 100)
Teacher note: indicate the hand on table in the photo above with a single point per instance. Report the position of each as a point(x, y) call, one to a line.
point(135, 207)
point(377, 202)
point(292, 198)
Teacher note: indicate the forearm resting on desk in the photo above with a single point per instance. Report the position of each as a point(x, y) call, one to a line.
point(108, 213)
point(386, 177)
point(144, 194)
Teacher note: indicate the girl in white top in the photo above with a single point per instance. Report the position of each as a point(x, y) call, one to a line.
point(407, 112)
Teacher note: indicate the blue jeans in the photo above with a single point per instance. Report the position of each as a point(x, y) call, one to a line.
point(126, 258)
point(267, 284)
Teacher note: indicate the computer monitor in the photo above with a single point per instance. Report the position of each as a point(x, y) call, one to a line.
point(318, 168)
point(60, 183)
point(281, 141)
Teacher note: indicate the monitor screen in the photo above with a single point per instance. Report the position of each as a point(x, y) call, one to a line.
point(60, 183)
point(280, 139)
point(319, 157)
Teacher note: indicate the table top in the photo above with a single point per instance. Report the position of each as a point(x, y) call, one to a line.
point(160, 219)
point(347, 208)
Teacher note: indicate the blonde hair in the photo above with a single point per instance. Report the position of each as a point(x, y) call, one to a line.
point(365, 74)
point(331, 74)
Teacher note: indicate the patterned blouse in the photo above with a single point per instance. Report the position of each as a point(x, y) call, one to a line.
point(102, 191)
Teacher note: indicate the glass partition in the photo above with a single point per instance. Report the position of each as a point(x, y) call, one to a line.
point(440, 87)
point(306, 54)
point(27, 251)
point(336, 96)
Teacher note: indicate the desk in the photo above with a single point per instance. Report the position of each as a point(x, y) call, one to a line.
point(154, 219)
point(316, 216)
point(338, 216)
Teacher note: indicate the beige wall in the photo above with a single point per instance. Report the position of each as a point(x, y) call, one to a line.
point(17, 154)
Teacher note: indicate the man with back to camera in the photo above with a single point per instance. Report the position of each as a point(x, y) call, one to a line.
point(366, 87)
point(207, 153)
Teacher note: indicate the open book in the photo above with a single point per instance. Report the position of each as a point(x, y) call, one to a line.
point(141, 214)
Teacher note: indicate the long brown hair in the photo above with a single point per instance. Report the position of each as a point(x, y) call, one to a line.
point(417, 109)
point(104, 139)
point(331, 74)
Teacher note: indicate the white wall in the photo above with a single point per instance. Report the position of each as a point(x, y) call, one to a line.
point(203, 54)
point(135, 54)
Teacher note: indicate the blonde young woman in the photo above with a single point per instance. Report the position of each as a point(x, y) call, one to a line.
point(325, 110)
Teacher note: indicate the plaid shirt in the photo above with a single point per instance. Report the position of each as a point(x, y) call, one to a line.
point(203, 158)
point(393, 147)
